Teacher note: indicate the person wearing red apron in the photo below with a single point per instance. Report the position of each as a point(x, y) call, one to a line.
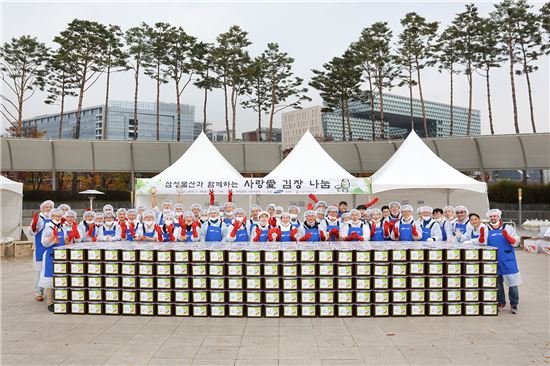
point(36, 228)
point(54, 235)
point(431, 231)
point(405, 229)
point(356, 229)
point(376, 225)
point(504, 238)
point(260, 230)
point(214, 229)
point(238, 231)
point(310, 230)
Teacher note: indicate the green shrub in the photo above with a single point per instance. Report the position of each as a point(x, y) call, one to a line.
point(507, 191)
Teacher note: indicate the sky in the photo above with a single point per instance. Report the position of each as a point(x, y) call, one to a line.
point(311, 32)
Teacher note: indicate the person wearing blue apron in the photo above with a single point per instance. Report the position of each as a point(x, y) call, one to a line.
point(286, 229)
point(190, 228)
point(170, 232)
point(504, 238)
point(444, 225)
point(376, 225)
point(71, 228)
point(131, 224)
point(149, 230)
point(259, 231)
point(238, 230)
point(213, 230)
point(477, 233)
point(461, 225)
point(342, 207)
point(405, 229)
point(166, 208)
point(228, 218)
point(294, 211)
point(356, 229)
point(178, 214)
point(88, 219)
point(110, 231)
point(36, 228)
point(331, 223)
point(54, 235)
point(310, 230)
point(121, 215)
point(430, 228)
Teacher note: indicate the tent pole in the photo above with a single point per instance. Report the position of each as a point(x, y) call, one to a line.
point(448, 194)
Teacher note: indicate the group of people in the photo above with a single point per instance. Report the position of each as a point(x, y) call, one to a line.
point(170, 222)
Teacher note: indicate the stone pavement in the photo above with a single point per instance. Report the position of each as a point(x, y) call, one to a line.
point(31, 335)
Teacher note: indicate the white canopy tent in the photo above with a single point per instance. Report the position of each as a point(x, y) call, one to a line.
point(11, 197)
point(202, 162)
point(310, 163)
point(415, 175)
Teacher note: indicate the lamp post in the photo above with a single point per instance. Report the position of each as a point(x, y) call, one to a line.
point(520, 197)
point(91, 193)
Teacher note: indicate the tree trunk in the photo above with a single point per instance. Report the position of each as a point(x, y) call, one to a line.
point(158, 101)
point(372, 116)
point(489, 109)
point(380, 86)
point(421, 99)
point(343, 122)
point(469, 123)
point(226, 108)
point(74, 184)
point(411, 98)
point(79, 109)
point(271, 115)
point(136, 78)
point(526, 72)
point(234, 97)
point(513, 85)
point(452, 101)
point(19, 128)
point(62, 110)
point(106, 108)
point(178, 110)
point(205, 102)
point(259, 134)
point(350, 134)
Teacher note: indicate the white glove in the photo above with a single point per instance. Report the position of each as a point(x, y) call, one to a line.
point(429, 239)
point(468, 242)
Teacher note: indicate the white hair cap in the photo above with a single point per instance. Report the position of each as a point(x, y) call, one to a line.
point(355, 211)
point(213, 209)
point(285, 214)
point(494, 211)
point(294, 207)
point(309, 213)
point(271, 205)
point(166, 202)
point(70, 213)
point(64, 207)
point(319, 203)
point(462, 208)
point(229, 214)
point(178, 205)
point(407, 208)
point(347, 214)
point(121, 210)
point(376, 211)
point(140, 207)
point(56, 211)
point(395, 203)
point(196, 205)
point(279, 208)
point(87, 214)
point(108, 207)
point(231, 204)
point(188, 214)
point(263, 213)
point(109, 214)
point(239, 211)
point(447, 208)
point(331, 209)
point(255, 206)
point(131, 211)
point(149, 213)
point(99, 215)
point(424, 209)
point(47, 203)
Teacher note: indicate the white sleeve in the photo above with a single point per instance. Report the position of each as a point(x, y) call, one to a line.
point(228, 237)
point(436, 232)
point(253, 233)
point(418, 230)
point(344, 230)
point(301, 232)
point(512, 232)
point(366, 232)
point(39, 226)
point(118, 233)
point(46, 234)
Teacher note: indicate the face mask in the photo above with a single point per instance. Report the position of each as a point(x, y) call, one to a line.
point(109, 223)
point(278, 215)
point(57, 222)
point(426, 218)
point(166, 210)
point(89, 222)
point(99, 224)
point(239, 218)
point(293, 216)
point(178, 214)
point(168, 222)
point(148, 222)
point(439, 219)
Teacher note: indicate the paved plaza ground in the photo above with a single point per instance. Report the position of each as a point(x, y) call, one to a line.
point(32, 335)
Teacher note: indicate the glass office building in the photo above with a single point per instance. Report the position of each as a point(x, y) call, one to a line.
point(120, 123)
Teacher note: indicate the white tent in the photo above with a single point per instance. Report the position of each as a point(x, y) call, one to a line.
point(308, 161)
point(415, 175)
point(11, 198)
point(201, 162)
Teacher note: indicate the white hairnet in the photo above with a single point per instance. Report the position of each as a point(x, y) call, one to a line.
point(56, 211)
point(407, 208)
point(494, 211)
point(149, 213)
point(108, 207)
point(395, 203)
point(109, 214)
point(70, 213)
point(46, 203)
point(120, 210)
point(331, 209)
point(64, 207)
point(447, 208)
point(167, 202)
point(424, 209)
point(213, 209)
point(87, 214)
point(196, 205)
point(462, 208)
point(178, 205)
point(263, 213)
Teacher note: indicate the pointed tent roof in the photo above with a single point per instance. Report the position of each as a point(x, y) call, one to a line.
point(297, 166)
point(414, 165)
point(8, 184)
point(203, 161)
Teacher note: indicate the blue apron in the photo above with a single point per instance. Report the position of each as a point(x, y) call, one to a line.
point(357, 230)
point(426, 230)
point(314, 231)
point(189, 233)
point(48, 253)
point(149, 235)
point(242, 234)
point(295, 224)
point(39, 249)
point(228, 221)
point(443, 232)
point(111, 232)
point(166, 234)
point(129, 236)
point(263, 234)
point(505, 252)
point(213, 233)
point(461, 227)
point(330, 227)
point(285, 235)
point(405, 231)
point(378, 233)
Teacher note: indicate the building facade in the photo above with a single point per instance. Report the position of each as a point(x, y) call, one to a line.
point(264, 134)
point(120, 122)
point(397, 120)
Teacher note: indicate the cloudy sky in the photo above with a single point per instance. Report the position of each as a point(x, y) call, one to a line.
point(311, 32)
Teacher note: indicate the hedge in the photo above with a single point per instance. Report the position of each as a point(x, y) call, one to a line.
point(507, 192)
